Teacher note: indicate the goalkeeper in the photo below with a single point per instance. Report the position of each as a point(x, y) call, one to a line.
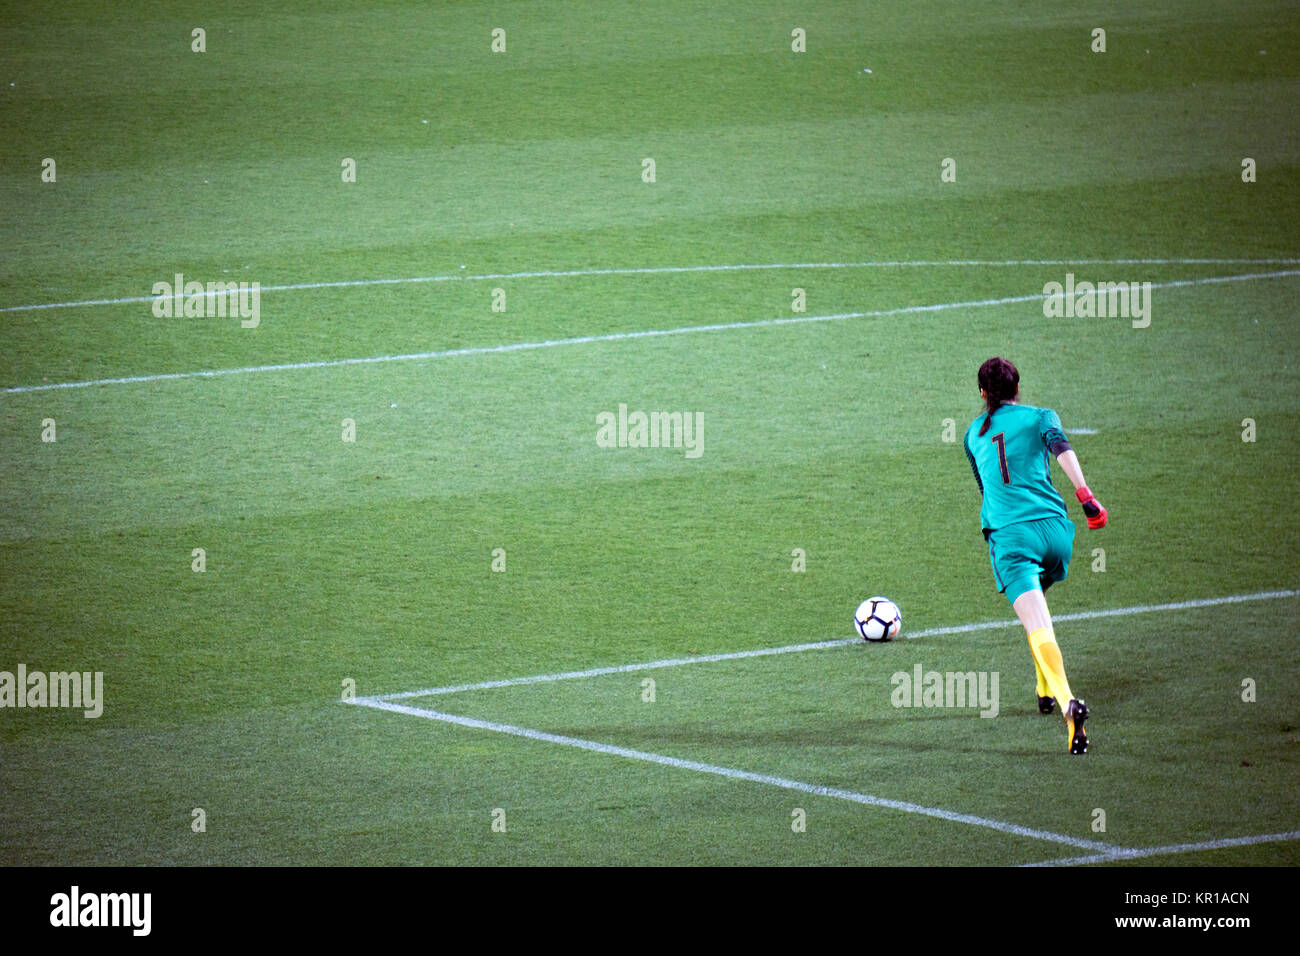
point(1026, 525)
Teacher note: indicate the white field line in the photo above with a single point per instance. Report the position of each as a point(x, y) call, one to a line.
point(819, 645)
point(864, 798)
point(1105, 852)
point(670, 270)
point(621, 336)
point(1118, 853)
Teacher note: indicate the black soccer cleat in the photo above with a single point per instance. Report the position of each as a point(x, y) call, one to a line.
point(1076, 712)
point(1046, 705)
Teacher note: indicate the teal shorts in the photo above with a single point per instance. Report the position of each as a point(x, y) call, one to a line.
point(1031, 555)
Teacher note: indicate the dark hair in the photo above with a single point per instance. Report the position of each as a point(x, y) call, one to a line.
point(1001, 382)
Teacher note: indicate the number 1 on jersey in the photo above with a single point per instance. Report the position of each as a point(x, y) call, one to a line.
point(1000, 440)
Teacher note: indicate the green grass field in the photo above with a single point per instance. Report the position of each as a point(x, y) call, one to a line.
point(332, 564)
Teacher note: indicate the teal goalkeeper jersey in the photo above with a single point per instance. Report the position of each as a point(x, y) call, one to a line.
point(1012, 465)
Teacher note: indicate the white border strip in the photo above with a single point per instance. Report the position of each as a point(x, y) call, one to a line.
point(1118, 853)
point(820, 645)
point(620, 336)
point(670, 270)
point(864, 798)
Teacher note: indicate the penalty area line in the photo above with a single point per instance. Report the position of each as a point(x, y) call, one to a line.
point(821, 645)
point(952, 816)
point(622, 336)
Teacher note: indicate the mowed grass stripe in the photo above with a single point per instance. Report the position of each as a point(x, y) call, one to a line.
point(674, 270)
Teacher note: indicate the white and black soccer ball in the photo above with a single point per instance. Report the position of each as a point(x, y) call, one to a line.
point(877, 619)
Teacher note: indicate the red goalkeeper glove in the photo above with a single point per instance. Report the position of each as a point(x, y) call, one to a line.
point(1092, 508)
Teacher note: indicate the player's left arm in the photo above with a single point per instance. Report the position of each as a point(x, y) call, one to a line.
point(1054, 439)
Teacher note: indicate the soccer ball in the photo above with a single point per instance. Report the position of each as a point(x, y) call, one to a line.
point(877, 619)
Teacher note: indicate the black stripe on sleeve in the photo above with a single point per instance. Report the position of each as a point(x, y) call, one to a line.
point(973, 468)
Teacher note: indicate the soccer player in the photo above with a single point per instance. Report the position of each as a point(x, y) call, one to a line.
point(1025, 522)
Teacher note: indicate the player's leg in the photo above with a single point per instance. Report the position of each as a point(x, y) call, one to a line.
point(1013, 552)
point(1046, 701)
point(1050, 542)
point(1031, 608)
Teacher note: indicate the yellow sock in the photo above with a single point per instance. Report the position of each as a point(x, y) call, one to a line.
point(1047, 655)
point(1040, 682)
